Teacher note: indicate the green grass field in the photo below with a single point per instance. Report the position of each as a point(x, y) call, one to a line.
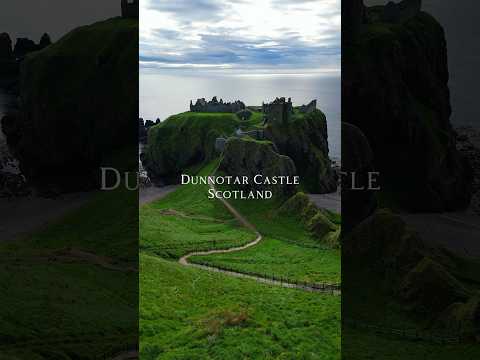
point(287, 249)
point(275, 257)
point(188, 313)
point(68, 309)
point(361, 345)
point(368, 302)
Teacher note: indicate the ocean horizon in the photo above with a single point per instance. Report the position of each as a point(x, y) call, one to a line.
point(167, 93)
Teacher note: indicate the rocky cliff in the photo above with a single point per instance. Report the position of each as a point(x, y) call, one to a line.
point(79, 105)
point(395, 89)
point(185, 140)
point(305, 140)
point(249, 157)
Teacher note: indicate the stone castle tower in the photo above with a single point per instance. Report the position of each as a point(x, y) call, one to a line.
point(130, 9)
point(279, 111)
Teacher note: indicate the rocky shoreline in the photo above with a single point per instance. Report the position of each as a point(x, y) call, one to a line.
point(468, 144)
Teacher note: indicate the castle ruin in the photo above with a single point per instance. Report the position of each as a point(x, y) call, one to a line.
point(130, 9)
point(278, 111)
point(310, 107)
point(216, 106)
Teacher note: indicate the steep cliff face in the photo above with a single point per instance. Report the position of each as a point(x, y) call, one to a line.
point(395, 89)
point(185, 140)
point(248, 157)
point(79, 104)
point(305, 140)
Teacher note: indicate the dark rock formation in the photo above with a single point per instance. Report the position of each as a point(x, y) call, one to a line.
point(431, 288)
point(215, 106)
point(184, 140)
point(143, 127)
point(357, 163)
point(23, 46)
point(8, 65)
point(6, 52)
point(385, 243)
point(243, 157)
point(353, 17)
point(12, 185)
point(77, 113)
point(395, 89)
point(142, 131)
point(305, 141)
point(44, 41)
point(424, 281)
point(130, 9)
point(468, 143)
point(278, 111)
point(11, 127)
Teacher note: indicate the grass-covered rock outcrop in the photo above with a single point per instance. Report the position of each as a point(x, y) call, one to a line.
point(305, 140)
point(249, 157)
point(316, 220)
point(432, 287)
point(185, 140)
point(395, 78)
point(79, 104)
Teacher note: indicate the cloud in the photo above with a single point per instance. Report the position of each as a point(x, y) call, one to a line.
point(188, 10)
point(240, 34)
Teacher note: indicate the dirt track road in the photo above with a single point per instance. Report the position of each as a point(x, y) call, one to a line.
point(458, 232)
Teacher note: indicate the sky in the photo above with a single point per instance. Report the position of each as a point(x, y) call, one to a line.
point(32, 18)
point(248, 35)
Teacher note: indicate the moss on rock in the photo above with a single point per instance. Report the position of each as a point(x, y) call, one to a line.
point(249, 157)
point(430, 288)
point(396, 88)
point(305, 140)
point(313, 218)
point(79, 104)
point(185, 140)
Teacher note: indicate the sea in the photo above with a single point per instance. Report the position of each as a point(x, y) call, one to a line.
point(163, 94)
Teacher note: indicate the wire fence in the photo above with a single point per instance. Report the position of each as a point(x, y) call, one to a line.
point(282, 280)
point(219, 245)
point(446, 337)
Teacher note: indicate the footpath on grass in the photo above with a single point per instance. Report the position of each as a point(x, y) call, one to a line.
point(333, 289)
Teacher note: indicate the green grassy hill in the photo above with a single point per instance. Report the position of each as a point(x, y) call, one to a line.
point(188, 313)
point(79, 103)
point(71, 291)
point(188, 139)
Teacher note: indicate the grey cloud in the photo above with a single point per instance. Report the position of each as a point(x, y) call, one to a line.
point(188, 10)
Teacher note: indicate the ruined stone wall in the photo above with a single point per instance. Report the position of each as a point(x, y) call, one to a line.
point(216, 106)
point(279, 110)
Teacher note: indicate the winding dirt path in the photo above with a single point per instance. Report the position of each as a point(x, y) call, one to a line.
point(333, 288)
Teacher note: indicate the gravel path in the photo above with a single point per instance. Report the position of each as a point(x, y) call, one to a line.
point(457, 232)
point(23, 215)
point(333, 289)
point(332, 202)
point(153, 193)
